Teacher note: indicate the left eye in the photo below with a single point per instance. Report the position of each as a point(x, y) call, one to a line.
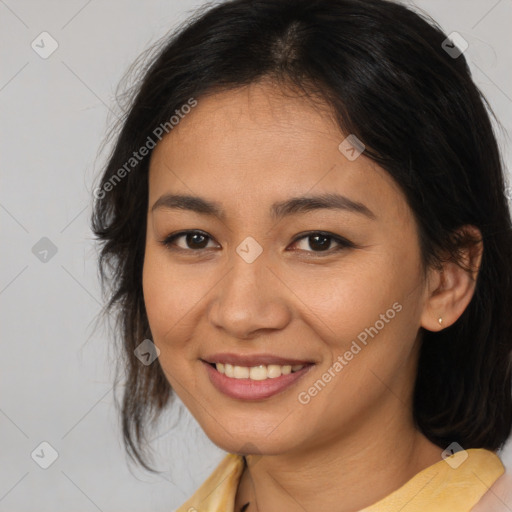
point(319, 241)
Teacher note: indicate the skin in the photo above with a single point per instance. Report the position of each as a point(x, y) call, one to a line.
point(355, 440)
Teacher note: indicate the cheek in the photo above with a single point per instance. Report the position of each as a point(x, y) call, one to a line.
point(169, 295)
point(365, 312)
point(167, 302)
point(340, 302)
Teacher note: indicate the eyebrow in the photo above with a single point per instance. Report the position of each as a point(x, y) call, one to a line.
point(292, 206)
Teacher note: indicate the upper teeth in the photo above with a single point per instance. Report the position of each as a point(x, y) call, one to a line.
point(260, 372)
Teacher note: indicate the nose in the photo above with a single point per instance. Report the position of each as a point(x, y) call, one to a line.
point(250, 299)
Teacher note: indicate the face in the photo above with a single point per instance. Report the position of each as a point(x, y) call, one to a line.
point(310, 307)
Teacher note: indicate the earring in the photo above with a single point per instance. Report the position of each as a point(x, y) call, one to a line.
point(440, 320)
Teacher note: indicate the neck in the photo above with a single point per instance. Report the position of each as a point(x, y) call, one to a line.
point(352, 473)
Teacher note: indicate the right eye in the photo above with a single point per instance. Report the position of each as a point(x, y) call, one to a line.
point(194, 240)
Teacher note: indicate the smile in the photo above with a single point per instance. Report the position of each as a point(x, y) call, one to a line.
point(260, 372)
point(255, 382)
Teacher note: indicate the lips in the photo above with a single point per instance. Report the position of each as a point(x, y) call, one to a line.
point(254, 377)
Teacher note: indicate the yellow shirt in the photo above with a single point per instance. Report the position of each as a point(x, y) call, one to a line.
point(450, 485)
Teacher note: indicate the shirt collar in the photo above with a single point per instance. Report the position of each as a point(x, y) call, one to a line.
point(451, 485)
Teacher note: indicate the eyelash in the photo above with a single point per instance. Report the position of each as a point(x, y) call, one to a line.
point(343, 242)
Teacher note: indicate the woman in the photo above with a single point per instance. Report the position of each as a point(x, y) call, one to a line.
point(306, 236)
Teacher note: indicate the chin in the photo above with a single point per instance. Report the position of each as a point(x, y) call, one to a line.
point(248, 441)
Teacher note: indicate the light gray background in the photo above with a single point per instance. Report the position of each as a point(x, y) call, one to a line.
point(55, 372)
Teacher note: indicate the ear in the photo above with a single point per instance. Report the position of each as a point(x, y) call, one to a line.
point(451, 288)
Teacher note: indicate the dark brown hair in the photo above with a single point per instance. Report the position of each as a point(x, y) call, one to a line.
point(385, 75)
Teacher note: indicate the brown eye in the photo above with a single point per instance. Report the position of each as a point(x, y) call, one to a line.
point(193, 240)
point(321, 242)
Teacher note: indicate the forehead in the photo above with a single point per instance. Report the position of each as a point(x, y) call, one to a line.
point(257, 145)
